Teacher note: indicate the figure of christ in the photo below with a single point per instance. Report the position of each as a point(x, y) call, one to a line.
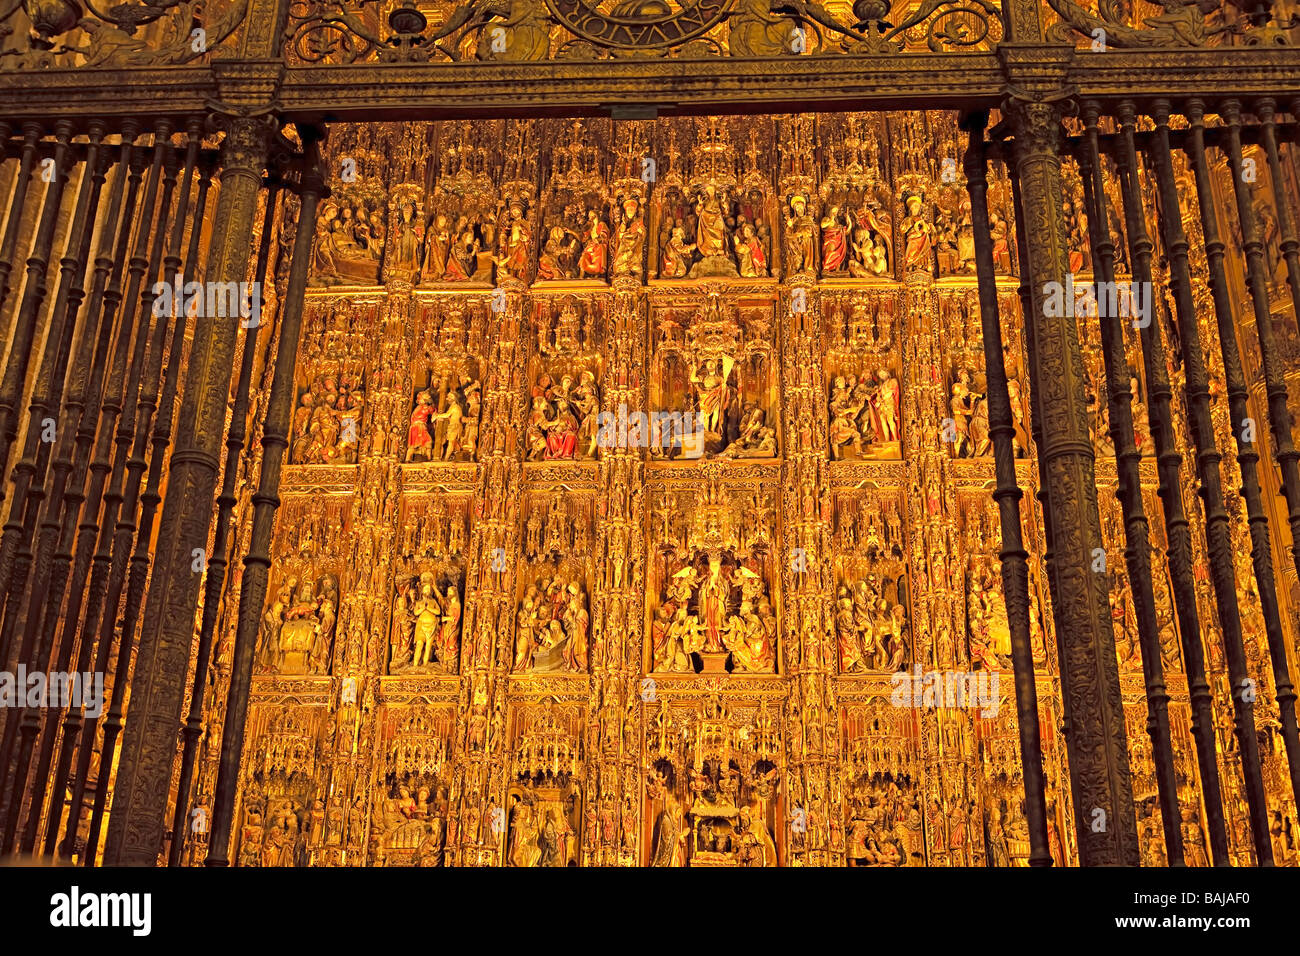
point(713, 392)
point(455, 417)
point(887, 406)
point(427, 615)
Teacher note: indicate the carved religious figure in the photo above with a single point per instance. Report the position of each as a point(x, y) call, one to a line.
point(298, 628)
point(426, 626)
point(629, 240)
point(799, 238)
point(594, 261)
point(865, 415)
point(917, 237)
point(327, 422)
point(445, 427)
point(552, 625)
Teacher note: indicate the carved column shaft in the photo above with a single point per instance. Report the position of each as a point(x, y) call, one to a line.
point(129, 463)
point(275, 439)
point(8, 245)
point(1095, 735)
point(136, 830)
point(226, 501)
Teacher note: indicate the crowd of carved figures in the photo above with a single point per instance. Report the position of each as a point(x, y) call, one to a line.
point(669, 202)
point(492, 638)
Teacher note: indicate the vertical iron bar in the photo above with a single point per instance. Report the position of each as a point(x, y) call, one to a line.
point(21, 519)
point(47, 744)
point(15, 374)
point(9, 244)
point(1137, 532)
point(1247, 457)
point(1218, 538)
point(81, 408)
point(134, 426)
point(106, 473)
point(1275, 382)
point(1014, 557)
point(52, 378)
point(40, 648)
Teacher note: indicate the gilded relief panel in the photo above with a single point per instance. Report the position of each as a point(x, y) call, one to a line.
point(713, 794)
point(713, 577)
point(671, 473)
point(413, 788)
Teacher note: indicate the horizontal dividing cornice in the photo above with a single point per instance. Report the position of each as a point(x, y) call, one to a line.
point(633, 87)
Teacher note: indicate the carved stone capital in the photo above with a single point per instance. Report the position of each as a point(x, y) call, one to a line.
point(1036, 122)
point(247, 139)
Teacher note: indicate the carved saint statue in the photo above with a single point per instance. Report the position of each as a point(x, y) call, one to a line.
point(426, 627)
point(595, 247)
point(677, 255)
point(917, 233)
point(629, 242)
point(710, 229)
point(799, 238)
point(552, 626)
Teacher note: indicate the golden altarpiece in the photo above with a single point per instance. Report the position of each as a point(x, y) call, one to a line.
point(623, 458)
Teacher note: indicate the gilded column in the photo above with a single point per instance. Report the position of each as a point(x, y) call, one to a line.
point(476, 806)
point(618, 599)
point(814, 794)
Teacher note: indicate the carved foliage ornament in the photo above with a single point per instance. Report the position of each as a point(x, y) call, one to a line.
point(523, 30)
point(68, 33)
point(1181, 23)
